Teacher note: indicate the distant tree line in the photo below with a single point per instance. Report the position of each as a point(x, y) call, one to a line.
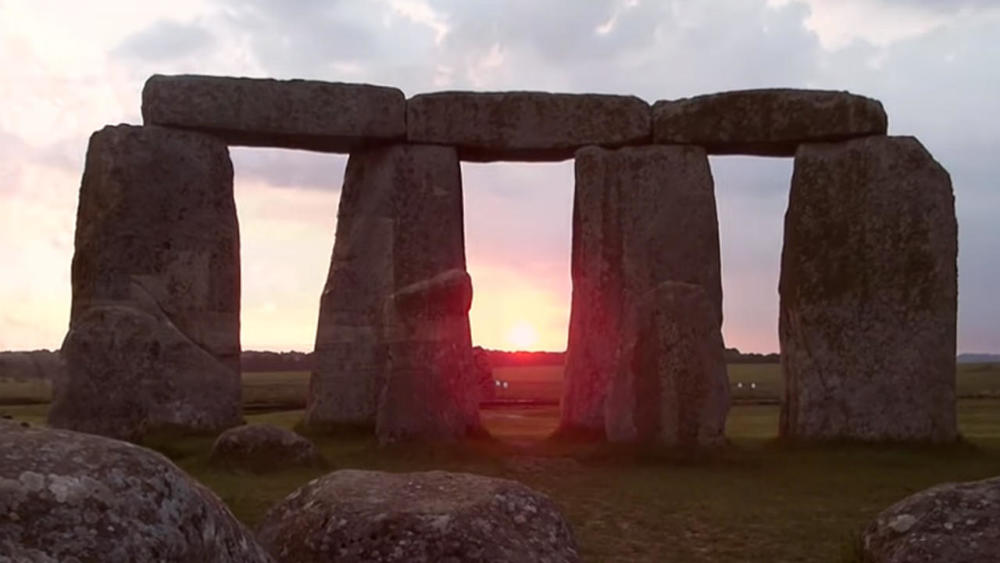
point(734, 356)
point(277, 361)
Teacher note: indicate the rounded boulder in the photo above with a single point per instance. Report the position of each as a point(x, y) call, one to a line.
point(67, 496)
point(352, 515)
point(262, 448)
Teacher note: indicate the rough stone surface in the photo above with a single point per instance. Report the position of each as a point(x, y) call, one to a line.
point(641, 216)
point(261, 448)
point(949, 522)
point(671, 386)
point(373, 516)
point(66, 496)
point(868, 294)
point(768, 122)
point(131, 373)
point(297, 114)
point(157, 256)
point(431, 389)
point(525, 126)
point(43, 365)
point(400, 223)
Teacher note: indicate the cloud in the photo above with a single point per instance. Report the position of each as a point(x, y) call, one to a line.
point(165, 40)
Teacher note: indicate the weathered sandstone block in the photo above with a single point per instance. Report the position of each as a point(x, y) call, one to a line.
point(263, 448)
point(355, 516)
point(297, 114)
point(641, 216)
point(949, 522)
point(768, 122)
point(74, 497)
point(157, 257)
point(671, 386)
point(526, 126)
point(431, 390)
point(868, 294)
point(131, 373)
point(400, 224)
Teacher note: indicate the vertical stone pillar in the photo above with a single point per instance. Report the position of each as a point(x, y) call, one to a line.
point(154, 339)
point(400, 229)
point(641, 216)
point(869, 294)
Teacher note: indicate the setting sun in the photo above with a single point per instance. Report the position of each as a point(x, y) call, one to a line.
point(522, 336)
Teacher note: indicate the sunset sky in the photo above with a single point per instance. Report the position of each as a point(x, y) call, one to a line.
point(69, 68)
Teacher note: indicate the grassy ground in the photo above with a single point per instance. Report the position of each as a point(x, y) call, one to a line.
point(756, 500)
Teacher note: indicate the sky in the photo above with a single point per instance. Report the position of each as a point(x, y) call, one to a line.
point(69, 68)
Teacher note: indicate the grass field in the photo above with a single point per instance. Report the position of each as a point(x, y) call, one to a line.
point(756, 500)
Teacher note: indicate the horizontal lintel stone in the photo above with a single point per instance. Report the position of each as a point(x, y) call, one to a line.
point(526, 126)
point(296, 114)
point(766, 122)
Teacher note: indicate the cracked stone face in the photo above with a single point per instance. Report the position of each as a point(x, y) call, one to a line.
point(66, 496)
point(352, 515)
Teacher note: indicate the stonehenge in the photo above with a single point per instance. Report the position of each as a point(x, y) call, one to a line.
point(867, 289)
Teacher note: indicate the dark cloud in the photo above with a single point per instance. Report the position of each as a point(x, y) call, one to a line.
point(165, 40)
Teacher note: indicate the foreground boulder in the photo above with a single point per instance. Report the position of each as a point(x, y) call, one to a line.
point(66, 496)
point(431, 388)
point(671, 387)
point(355, 516)
point(527, 126)
point(132, 373)
point(767, 122)
point(262, 448)
point(869, 294)
point(295, 114)
point(950, 522)
point(641, 216)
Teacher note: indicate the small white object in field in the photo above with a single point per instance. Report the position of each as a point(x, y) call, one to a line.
point(753, 385)
point(739, 385)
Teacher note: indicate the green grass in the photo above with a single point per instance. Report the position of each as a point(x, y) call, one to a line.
point(756, 500)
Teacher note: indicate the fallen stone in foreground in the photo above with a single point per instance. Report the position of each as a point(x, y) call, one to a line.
point(949, 522)
point(263, 448)
point(73, 497)
point(295, 114)
point(671, 386)
point(525, 126)
point(868, 293)
point(371, 516)
point(766, 122)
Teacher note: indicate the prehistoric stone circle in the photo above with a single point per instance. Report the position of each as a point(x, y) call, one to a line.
point(869, 294)
point(154, 329)
point(949, 522)
point(671, 386)
point(262, 448)
point(296, 114)
point(867, 287)
point(527, 126)
point(66, 496)
point(641, 216)
point(352, 515)
point(767, 122)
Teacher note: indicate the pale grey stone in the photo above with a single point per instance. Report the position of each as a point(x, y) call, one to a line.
point(262, 448)
point(868, 294)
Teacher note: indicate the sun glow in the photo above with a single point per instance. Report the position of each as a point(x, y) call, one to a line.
point(522, 336)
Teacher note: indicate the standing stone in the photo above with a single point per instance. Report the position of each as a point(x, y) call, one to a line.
point(67, 496)
point(400, 226)
point(869, 294)
point(768, 121)
point(156, 287)
point(641, 216)
point(296, 114)
point(525, 126)
point(671, 386)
